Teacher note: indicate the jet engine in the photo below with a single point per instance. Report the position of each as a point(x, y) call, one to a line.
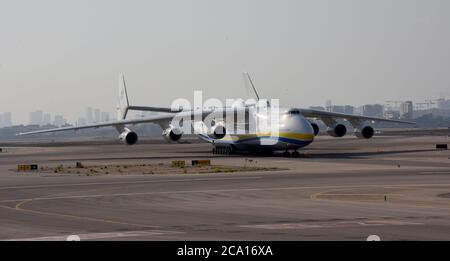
point(366, 132)
point(337, 130)
point(128, 137)
point(315, 128)
point(172, 134)
point(217, 132)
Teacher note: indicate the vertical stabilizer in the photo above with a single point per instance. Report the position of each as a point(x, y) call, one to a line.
point(122, 107)
point(249, 84)
point(251, 87)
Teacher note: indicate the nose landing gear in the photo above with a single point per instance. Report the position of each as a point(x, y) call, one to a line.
point(288, 154)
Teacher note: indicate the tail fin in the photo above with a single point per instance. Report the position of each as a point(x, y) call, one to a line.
point(251, 87)
point(249, 84)
point(122, 107)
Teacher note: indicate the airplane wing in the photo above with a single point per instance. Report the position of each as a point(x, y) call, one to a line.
point(327, 116)
point(162, 120)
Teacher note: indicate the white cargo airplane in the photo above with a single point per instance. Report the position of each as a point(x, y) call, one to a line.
point(296, 127)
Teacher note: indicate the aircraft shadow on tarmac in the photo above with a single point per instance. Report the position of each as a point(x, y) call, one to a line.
point(303, 155)
point(335, 155)
point(360, 154)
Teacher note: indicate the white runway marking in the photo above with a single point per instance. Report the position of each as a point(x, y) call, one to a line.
point(435, 172)
point(333, 224)
point(94, 236)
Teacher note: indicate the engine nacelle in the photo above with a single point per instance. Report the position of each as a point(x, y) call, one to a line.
point(172, 134)
point(128, 137)
point(366, 132)
point(337, 130)
point(218, 132)
point(315, 128)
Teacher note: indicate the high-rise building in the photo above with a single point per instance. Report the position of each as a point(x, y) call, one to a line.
point(337, 108)
point(373, 110)
point(46, 119)
point(328, 105)
point(441, 103)
point(105, 116)
point(89, 115)
point(349, 109)
point(36, 117)
point(392, 115)
point(81, 121)
point(317, 108)
point(406, 110)
point(97, 115)
point(7, 119)
point(342, 109)
point(59, 121)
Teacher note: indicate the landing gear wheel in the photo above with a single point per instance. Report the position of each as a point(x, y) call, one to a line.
point(286, 154)
point(295, 154)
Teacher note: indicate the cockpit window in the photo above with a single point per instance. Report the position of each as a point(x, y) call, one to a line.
point(293, 112)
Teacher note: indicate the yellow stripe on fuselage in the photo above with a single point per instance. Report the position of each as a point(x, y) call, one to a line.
point(297, 136)
point(289, 135)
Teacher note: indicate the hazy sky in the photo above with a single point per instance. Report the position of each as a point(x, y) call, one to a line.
point(62, 56)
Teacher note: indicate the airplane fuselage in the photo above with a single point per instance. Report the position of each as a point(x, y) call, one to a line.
point(294, 131)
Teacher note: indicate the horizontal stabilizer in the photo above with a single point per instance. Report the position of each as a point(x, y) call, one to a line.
point(154, 109)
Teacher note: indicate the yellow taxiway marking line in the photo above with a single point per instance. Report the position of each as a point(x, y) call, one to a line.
point(315, 195)
point(18, 207)
point(21, 202)
point(102, 235)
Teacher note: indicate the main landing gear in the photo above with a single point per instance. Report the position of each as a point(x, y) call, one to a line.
point(222, 150)
point(294, 154)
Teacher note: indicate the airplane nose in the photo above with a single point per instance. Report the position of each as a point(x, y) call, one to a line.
point(301, 127)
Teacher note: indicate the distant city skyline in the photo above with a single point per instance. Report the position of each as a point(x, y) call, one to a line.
point(393, 109)
point(98, 114)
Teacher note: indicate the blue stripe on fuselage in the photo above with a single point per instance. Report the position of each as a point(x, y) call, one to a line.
point(282, 139)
